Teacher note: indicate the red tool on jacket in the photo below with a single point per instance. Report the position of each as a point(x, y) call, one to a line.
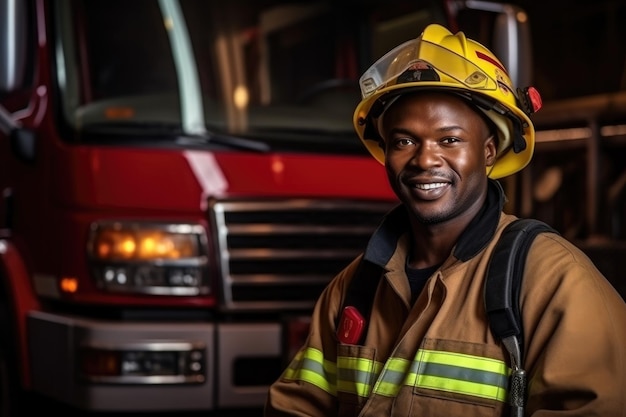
point(350, 326)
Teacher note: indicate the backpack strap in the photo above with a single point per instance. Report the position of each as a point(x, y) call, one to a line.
point(502, 289)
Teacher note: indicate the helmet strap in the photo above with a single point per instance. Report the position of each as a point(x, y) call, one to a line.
point(519, 143)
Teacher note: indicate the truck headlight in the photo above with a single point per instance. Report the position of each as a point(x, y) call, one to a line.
point(149, 258)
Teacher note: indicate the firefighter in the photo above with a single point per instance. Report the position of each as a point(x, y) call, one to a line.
point(441, 114)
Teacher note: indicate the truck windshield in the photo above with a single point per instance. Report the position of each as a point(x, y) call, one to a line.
point(283, 72)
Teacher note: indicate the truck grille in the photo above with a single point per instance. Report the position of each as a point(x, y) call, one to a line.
point(277, 255)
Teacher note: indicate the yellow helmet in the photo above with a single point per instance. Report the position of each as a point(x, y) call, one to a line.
point(440, 60)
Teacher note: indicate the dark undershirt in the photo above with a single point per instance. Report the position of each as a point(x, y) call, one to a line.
point(417, 279)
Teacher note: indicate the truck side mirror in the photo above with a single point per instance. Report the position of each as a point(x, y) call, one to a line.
point(510, 38)
point(13, 20)
point(512, 44)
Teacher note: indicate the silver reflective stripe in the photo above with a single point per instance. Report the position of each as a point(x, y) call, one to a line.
point(437, 370)
point(446, 371)
point(310, 366)
point(357, 375)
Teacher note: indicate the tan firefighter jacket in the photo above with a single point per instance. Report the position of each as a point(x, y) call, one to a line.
point(438, 357)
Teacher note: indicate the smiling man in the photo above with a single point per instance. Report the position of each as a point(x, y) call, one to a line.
point(441, 114)
point(436, 149)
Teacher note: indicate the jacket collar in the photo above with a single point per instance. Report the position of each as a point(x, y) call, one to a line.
point(474, 238)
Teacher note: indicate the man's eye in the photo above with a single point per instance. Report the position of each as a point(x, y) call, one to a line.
point(450, 139)
point(404, 142)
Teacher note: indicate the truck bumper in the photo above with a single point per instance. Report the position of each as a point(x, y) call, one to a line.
point(56, 342)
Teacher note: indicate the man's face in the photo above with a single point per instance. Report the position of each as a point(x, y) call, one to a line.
point(437, 149)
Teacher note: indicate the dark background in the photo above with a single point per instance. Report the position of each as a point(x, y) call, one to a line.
point(579, 47)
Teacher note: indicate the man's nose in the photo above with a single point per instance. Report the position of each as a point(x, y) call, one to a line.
point(426, 154)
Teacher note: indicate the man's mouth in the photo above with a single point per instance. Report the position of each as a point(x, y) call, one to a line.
point(430, 186)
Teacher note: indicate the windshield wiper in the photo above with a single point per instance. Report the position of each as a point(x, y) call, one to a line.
point(224, 140)
point(163, 132)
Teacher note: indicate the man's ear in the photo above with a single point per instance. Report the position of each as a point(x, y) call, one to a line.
point(491, 150)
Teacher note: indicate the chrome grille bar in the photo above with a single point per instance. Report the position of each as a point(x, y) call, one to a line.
point(280, 254)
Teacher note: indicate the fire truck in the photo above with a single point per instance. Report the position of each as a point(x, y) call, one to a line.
point(179, 180)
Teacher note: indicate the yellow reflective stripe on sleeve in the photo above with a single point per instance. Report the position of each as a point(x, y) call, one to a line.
point(310, 366)
point(447, 371)
point(356, 375)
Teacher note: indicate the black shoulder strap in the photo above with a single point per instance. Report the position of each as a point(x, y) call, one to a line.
point(504, 276)
point(502, 288)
